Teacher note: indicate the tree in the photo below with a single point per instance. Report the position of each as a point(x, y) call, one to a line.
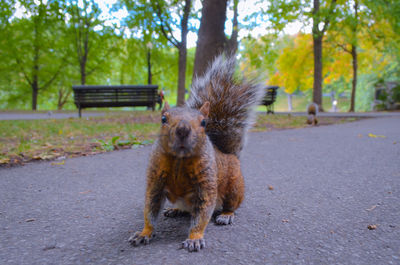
point(33, 47)
point(232, 42)
point(181, 45)
point(157, 18)
point(211, 37)
point(321, 16)
point(89, 36)
point(348, 27)
point(318, 34)
point(293, 66)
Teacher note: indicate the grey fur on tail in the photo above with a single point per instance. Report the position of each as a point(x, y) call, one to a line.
point(232, 104)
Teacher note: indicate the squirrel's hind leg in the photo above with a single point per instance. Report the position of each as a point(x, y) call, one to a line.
point(225, 218)
point(234, 195)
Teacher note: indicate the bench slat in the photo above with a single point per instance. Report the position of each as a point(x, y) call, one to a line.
point(89, 96)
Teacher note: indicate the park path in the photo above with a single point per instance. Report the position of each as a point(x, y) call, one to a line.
point(310, 196)
point(41, 115)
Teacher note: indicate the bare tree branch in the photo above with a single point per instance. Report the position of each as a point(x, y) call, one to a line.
point(23, 70)
point(169, 37)
point(343, 47)
point(328, 17)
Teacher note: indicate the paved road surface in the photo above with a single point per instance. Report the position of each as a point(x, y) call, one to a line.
point(329, 182)
point(9, 115)
point(46, 115)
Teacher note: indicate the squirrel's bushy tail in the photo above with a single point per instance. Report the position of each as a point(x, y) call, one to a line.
point(232, 103)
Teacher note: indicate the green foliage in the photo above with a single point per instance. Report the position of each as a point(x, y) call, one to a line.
point(47, 42)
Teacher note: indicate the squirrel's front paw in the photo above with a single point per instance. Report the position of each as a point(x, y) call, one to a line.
point(194, 244)
point(138, 239)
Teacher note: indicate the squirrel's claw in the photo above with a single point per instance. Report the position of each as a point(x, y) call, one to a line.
point(138, 239)
point(193, 244)
point(224, 219)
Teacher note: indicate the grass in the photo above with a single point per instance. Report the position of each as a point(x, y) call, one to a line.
point(282, 122)
point(28, 140)
point(299, 103)
point(23, 141)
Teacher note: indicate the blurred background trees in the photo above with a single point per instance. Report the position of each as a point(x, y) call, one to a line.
point(324, 51)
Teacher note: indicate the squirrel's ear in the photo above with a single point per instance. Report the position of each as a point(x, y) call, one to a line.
point(166, 107)
point(205, 109)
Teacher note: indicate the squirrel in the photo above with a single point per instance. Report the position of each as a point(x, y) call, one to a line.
point(195, 161)
point(312, 110)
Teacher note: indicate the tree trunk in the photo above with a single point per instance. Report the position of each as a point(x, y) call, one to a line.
point(149, 75)
point(182, 76)
point(232, 42)
point(354, 59)
point(289, 101)
point(35, 90)
point(354, 81)
point(60, 99)
point(122, 74)
point(63, 96)
point(83, 72)
point(182, 47)
point(317, 87)
point(35, 69)
point(211, 36)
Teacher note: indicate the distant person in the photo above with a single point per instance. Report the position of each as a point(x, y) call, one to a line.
point(160, 98)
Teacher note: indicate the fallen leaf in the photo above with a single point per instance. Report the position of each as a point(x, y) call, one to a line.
point(4, 160)
point(359, 135)
point(85, 192)
point(373, 207)
point(376, 136)
point(58, 164)
point(285, 220)
point(270, 187)
point(372, 227)
point(394, 142)
point(30, 220)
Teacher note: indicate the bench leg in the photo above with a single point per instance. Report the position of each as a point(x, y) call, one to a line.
point(80, 113)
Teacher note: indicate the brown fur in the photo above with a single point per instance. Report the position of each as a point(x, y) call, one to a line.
point(195, 162)
point(312, 111)
point(200, 176)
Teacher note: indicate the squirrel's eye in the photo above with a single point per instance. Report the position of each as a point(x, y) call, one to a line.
point(163, 119)
point(203, 123)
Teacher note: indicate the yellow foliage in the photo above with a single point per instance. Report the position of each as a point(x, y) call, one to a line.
point(295, 64)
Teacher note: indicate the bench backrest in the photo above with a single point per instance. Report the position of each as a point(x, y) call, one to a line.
point(270, 95)
point(115, 96)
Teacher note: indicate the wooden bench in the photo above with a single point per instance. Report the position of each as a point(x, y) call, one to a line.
point(269, 98)
point(115, 96)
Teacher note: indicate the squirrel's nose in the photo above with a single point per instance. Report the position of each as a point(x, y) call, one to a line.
point(182, 131)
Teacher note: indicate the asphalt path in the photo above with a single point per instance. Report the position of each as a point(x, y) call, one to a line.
point(9, 115)
point(42, 115)
point(310, 196)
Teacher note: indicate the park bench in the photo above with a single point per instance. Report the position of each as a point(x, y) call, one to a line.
point(93, 96)
point(269, 98)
